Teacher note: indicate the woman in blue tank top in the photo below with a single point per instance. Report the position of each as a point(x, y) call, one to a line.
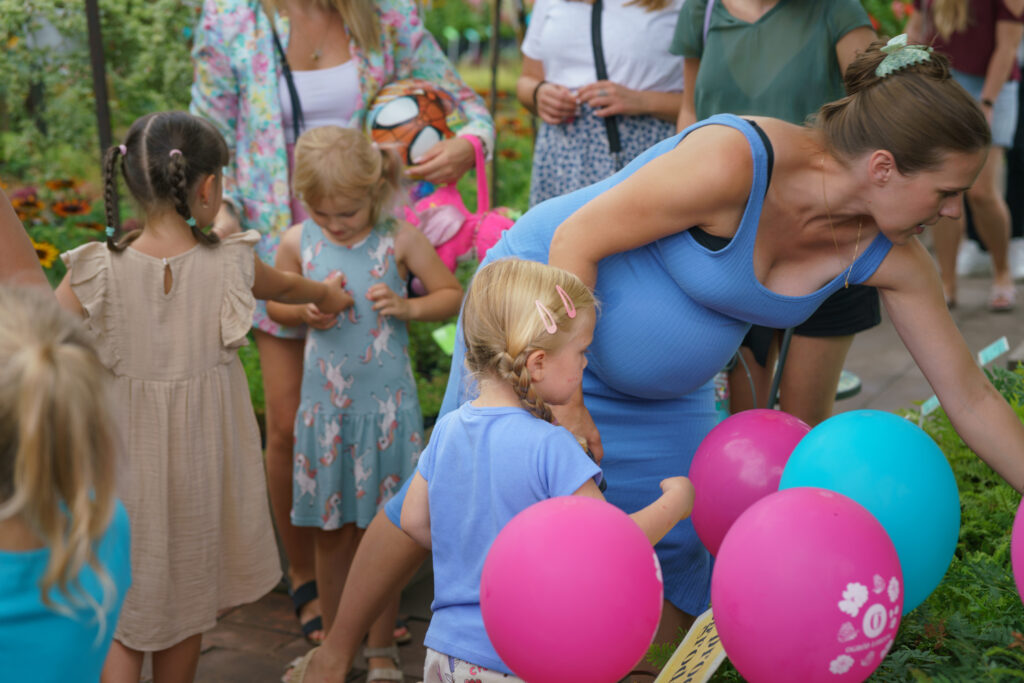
point(730, 223)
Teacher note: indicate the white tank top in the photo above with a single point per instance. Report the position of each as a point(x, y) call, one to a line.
point(328, 97)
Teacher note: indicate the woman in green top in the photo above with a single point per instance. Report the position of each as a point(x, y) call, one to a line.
point(781, 58)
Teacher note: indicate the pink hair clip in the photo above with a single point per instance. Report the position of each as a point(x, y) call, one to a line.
point(123, 150)
point(175, 153)
point(570, 308)
point(547, 317)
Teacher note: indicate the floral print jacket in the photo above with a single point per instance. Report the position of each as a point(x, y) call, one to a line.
point(235, 87)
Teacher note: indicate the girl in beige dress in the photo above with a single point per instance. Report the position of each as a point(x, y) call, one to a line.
point(169, 306)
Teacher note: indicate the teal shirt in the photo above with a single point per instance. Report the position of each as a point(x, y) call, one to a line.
point(783, 65)
point(42, 645)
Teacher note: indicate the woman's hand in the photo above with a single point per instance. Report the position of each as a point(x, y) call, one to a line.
point(387, 302)
point(226, 221)
point(575, 417)
point(609, 99)
point(445, 162)
point(317, 319)
point(555, 104)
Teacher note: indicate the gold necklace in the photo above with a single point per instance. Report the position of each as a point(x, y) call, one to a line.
point(831, 225)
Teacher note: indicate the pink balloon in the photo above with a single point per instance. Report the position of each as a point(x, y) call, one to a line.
point(1017, 550)
point(739, 462)
point(571, 591)
point(807, 587)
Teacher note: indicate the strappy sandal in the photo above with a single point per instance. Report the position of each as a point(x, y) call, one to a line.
point(391, 652)
point(302, 596)
point(1002, 299)
point(296, 671)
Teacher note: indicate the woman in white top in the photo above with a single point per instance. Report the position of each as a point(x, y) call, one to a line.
point(559, 83)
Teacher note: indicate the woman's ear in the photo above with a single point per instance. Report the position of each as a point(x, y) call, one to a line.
point(535, 364)
point(882, 166)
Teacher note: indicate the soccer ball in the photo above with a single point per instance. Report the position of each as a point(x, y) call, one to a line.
point(411, 116)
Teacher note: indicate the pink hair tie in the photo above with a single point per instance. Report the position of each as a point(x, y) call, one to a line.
point(175, 153)
point(123, 150)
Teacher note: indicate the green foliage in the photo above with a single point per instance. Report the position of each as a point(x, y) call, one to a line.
point(889, 17)
point(47, 80)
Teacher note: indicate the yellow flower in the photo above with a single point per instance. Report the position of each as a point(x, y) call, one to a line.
point(46, 252)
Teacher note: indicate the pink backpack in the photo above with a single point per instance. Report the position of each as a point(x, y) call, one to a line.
point(456, 233)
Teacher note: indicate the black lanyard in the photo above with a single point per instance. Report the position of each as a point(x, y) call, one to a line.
point(611, 123)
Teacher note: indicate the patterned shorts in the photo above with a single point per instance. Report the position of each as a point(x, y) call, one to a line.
point(440, 668)
point(572, 155)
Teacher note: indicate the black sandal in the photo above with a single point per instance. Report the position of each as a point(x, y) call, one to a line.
point(302, 596)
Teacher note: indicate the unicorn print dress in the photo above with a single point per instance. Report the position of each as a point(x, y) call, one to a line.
point(359, 430)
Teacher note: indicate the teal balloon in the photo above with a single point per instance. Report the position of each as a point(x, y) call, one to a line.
point(895, 470)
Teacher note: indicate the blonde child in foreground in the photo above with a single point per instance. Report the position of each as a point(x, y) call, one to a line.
point(64, 566)
point(169, 305)
point(527, 327)
point(359, 429)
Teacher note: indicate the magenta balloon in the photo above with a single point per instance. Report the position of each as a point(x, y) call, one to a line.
point(807, 587)
point(1017, 550)
point(571, 591)
point(739, 462)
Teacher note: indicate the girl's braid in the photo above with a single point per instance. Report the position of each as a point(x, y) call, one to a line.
point(515, 372)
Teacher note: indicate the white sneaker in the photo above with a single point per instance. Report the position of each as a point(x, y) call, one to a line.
point(972, 261)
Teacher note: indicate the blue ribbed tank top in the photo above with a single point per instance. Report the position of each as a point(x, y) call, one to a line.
point(673, 311)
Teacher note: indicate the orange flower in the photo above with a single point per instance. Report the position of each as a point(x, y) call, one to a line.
point(509, 154)
point(60, 183)
point(46, 252)
point(91, 225)
point(71, 207)
point(26, 206)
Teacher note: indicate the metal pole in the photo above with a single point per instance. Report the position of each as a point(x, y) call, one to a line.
point(99, 81)
point(495, 26)
point(773, 393)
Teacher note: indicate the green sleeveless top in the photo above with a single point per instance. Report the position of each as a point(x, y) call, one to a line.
point(783, 65)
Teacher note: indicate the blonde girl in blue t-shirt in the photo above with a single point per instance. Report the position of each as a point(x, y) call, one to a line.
point(527, 327)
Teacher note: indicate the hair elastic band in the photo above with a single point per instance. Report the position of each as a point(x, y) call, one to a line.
point(570, 308)
point(110, 231)
point(123, 150)
point(191, 222)
point(547, 317)
point(175, 153)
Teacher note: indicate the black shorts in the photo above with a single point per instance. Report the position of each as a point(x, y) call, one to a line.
point(849, 311)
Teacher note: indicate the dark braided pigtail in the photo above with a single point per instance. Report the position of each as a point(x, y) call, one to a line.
point(110, 202)
point(178, 181)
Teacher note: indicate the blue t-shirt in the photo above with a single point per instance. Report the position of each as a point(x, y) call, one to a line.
point(39, 644)
point(483, 466)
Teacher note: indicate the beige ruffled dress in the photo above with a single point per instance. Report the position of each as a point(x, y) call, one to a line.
point(192, 478)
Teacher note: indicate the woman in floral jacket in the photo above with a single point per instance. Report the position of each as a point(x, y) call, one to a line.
point(340, 54)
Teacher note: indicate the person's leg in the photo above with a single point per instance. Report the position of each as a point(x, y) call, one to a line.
point(334, 552)
point(810, 376)
point(749, 374)
point(945, 242)
point(384, 562)
point(178, 663)
point(122, 665)
point(381, 636)
point(673, 622)
point(992, 217)
point(281, 366)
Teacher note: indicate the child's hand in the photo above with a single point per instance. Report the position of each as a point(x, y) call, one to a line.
point(386, 302)
point(336, 299)
point(681, 491)
point(315, 318)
